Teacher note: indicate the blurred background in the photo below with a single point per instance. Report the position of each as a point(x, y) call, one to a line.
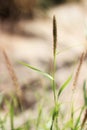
point(17, 9)
point(26, 35)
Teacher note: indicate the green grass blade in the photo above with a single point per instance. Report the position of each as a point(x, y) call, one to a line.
point(72, 116)
point(39, 117)
point(78, 119)
point(55, 115)
point(85, 93)
point(12, 115)
point(64, 85)
point(68, 125)
point(35, 69)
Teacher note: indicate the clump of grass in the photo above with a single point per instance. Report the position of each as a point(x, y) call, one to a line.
point(56, 108)
point(72, 123)
point(54, 119)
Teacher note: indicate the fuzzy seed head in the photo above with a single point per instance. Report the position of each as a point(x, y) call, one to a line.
point(12, 74)
point(54, 35)
point(78, 69)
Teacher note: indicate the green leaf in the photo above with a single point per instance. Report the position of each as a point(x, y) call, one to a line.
point(72, 115)
point(54, 115)
point(39, 117)
point(12, 115)
point(35, 69)
point(68, 125)
point(64, 85)
point(85, 93)
point(78, 119)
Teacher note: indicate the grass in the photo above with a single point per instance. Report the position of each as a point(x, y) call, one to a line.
point(55, 119)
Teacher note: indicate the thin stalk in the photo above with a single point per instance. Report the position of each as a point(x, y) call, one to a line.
point(51, 128)
point(54, 55)
point(57, 124)
point(54, 84)
point(84, 120)
point(54, 116)
point(12, 115)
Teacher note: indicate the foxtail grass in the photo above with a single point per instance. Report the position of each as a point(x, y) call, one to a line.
point(56, 93)
point(54, 56)
point(12, 74)
point(54, 36)
point(72, 123)
point(78, 69)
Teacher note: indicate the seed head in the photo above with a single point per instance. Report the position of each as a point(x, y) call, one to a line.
point(54, 35)
point(78, 69)
point(12, 74)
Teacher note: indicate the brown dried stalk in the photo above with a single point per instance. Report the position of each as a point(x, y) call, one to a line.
point(12, 74)
point(54, 35)
point(84, 119)
point(79, 68)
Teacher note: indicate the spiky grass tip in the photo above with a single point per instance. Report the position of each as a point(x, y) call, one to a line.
point(54, 35)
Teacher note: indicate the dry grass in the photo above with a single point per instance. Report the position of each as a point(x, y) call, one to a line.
point(78, 69)
point(12, 74)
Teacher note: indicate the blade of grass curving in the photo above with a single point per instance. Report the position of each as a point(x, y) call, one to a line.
point(78, 119)
point(64, 85)
point(35, 69)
